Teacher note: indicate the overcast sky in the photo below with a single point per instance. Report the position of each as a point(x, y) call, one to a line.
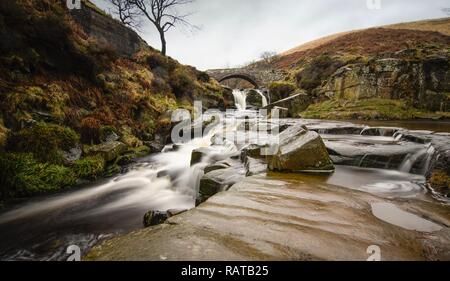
point(234, 32)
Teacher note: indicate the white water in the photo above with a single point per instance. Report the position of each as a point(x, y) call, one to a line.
point(240, 99)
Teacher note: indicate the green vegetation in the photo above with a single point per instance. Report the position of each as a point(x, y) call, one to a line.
point(21, 175)
point(45, 141)
point(89, 168)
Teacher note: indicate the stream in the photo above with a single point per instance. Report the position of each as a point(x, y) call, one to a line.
point(371, 162)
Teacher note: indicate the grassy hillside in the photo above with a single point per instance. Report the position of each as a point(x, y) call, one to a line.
point(436, 25)
point(63, 93)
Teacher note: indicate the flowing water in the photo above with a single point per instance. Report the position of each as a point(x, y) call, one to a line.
point(42, 228)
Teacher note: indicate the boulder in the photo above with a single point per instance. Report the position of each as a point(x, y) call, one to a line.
point(152, 218)
point(300, 150)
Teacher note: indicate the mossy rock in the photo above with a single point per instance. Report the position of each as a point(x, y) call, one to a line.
point(440, 181)
point(110, 151)
point(21, 175)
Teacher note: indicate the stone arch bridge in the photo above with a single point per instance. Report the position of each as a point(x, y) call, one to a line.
point(259, 78)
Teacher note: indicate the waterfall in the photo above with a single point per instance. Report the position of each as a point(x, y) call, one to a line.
point(426, 154)
point(263, 97)
point(240, 99)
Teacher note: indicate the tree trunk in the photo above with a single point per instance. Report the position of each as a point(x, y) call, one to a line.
point(163, 42)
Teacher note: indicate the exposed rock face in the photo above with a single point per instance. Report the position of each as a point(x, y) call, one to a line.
point(300, 150)
point(107, 31)
point(424, 84)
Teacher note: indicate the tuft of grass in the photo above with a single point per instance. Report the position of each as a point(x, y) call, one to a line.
point(89, 168)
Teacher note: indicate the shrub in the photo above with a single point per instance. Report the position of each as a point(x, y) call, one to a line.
point(89, 168)
point(22, 175)
point(45, 141)
point(317, 71)
point(280, 90)
point(182, 83)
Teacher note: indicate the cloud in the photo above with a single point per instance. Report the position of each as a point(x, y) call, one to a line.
point(237, 31)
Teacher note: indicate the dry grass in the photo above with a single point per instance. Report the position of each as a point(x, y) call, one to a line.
point(437, 25)
point(368, 42)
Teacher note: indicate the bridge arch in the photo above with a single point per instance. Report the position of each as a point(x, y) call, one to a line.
point(242, 76)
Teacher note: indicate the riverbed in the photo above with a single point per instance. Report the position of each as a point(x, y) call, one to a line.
point(368, 200)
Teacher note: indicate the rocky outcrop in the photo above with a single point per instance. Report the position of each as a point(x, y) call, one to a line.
point(425, 84)
point(300, 150)
point(107, 31)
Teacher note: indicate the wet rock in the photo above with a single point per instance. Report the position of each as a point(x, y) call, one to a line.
point(214, 153)
point(109, 150)
point(198, 154)
point(254, 151)
point(217, 166)
point(175, 212)
point(112, 136)
point(300, 150)
point(155, 146)
point(254, 166)
point(380, 131)
point(152, 218)
point(219, 180)
point(72, 155)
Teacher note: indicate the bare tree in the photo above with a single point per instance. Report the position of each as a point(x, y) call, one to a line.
point(162, 13)
point(267, 56)
point(127, 13)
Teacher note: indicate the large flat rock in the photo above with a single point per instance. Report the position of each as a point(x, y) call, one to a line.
point(286, 217)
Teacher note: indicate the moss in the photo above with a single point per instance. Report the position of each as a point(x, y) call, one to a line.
point(281, 89)
point(440, 179)
point(45, 141)
point(128, 138)
point(89, 168)
point(22, 175)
